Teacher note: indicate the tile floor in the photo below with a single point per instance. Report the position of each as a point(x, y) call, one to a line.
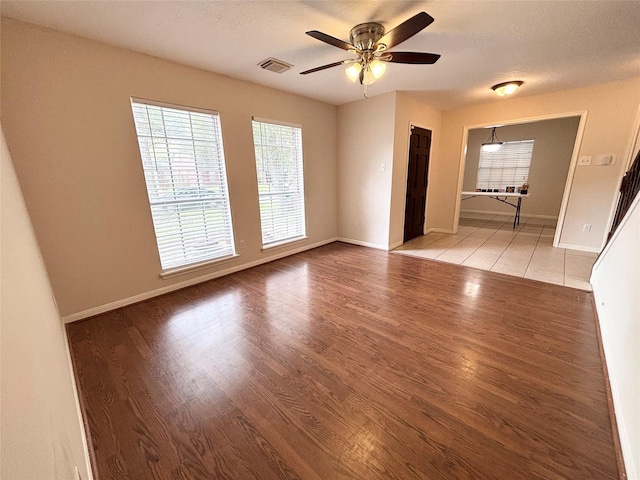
point(489, 242)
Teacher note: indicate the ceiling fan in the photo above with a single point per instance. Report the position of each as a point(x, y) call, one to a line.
point(370, 43)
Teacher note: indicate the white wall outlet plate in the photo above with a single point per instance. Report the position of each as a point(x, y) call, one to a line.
point(585, 160)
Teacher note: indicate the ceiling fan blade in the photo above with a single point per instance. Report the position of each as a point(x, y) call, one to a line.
point(336, 42)
point(406, 30)
point(412, 57)
point(330, 65)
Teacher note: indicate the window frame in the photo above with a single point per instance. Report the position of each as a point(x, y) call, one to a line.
point(279, 242)
point(186, 267)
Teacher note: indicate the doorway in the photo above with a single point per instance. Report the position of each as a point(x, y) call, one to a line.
point(417, 180)
point(555, 141)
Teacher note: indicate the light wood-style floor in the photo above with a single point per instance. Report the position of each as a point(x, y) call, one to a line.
point(348, 363)
point(489, 242)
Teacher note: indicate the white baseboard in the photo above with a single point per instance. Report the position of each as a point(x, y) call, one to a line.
point(187, 283)
point(428, 230)
point(582, 248)
point(395, 245)
point(625, 442)
point(363, 244)
point(626, 445)
point(76, 399)
point(439, 230)
point(507, 214)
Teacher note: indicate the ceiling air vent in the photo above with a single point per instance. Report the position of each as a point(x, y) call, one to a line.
point(274, 65)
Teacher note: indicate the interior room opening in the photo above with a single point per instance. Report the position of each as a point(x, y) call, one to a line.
point(533, 157)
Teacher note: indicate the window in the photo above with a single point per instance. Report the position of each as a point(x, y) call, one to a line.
point(280, 183)
point(184, 169)
point(506, 167)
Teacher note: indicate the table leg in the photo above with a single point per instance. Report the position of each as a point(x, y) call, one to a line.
point(517, 217)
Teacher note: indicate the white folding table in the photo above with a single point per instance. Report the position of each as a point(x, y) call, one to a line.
point(501, 197)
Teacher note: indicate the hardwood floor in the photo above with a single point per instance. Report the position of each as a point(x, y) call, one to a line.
point(348, 363)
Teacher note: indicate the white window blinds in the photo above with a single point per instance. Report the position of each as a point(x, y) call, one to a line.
point(184, 169)
point(280, 182)
point(506, 167)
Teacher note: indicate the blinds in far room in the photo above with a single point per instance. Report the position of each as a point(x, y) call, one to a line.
point(508, 166)
point(184, 169)
point(278, 150)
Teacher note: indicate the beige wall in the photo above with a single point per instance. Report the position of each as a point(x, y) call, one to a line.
point(553, 146)
point(373, 132)
point(364, 190)
point(411, 112)
point(67, 119)
point(40, 430)
point(611, 110)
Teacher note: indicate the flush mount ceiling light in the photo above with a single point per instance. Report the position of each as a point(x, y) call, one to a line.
point(507, 88)
point(492, 144)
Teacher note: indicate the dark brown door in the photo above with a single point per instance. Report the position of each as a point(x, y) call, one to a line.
point(419, 147)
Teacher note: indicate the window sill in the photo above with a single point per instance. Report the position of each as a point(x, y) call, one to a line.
point(273, 246)
point(174, 272)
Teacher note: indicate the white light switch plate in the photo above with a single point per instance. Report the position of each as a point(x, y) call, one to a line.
point(606, 159)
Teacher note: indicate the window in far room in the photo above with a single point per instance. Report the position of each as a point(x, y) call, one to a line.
point(508, 166)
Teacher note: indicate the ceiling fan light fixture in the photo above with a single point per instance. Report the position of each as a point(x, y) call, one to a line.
point(493, 143)
point(378, 68)
point(368, 78)
point(353, 71)
point(507, 88)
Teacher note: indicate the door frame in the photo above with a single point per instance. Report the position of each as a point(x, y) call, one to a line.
point(406, 174)
point(570, 174)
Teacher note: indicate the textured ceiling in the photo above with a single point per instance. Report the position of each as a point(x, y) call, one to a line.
point(550, 45)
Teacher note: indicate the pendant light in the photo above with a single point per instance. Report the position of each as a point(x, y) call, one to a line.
point(492, 144)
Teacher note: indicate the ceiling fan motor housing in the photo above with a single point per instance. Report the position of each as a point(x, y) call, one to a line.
point(365, 35)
